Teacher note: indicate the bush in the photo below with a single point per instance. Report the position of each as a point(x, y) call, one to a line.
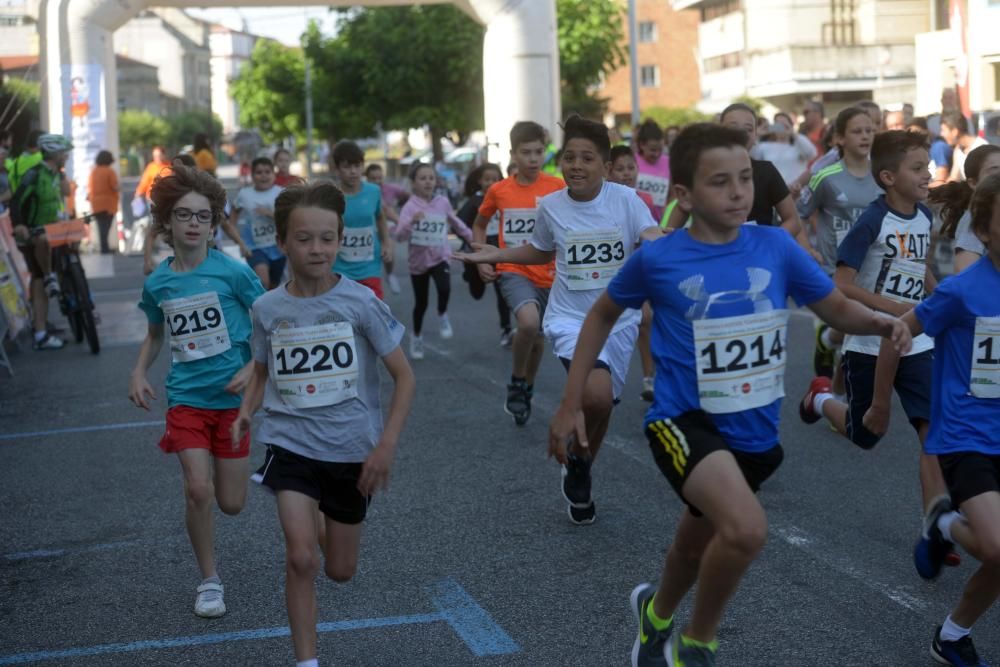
point(141, 130)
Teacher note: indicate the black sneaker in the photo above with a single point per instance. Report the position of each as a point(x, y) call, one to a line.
point(932, 549)
point(582, 516)
point(518, 403)
point(576, 481)
point(959, 653)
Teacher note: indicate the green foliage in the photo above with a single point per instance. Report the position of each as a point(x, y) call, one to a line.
point(679, 116)
point(141, 130)
point(25, 91)
point(269, 91)
point(19, 104)
point(591, 44)
point(185, 125)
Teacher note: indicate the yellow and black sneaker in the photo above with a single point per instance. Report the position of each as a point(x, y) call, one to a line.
point(823, 357)
point(648, 649)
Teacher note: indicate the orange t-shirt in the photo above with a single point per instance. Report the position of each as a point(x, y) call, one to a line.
point(101, 190)
point(517, 205)
point(152, 170)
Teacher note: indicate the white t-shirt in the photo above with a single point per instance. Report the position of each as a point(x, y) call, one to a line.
point(592, 240)
point(958, 159)
point(256, 230)
point(966, 239)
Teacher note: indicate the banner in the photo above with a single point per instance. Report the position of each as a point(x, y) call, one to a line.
point(86, 120)
point(14, 279)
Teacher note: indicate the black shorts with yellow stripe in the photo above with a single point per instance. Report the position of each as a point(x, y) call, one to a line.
point(679, 444)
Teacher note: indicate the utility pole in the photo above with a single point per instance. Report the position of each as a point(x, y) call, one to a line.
point(309, 108)
point(633, 57)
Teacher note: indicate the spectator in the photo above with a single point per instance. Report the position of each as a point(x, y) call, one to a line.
point(149, 174)
point(895, 120)
point(26, 160)
point(282, 166)
point(955, 130)
point(790, 152)
point(204, 157)
point(940, 152)
point(813, 124)
point(103, 195)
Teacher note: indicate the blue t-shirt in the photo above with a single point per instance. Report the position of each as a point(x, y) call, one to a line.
point(360, 255)
point(960, 421)
point(686, 280)
point(207, 346)
point(941, 154)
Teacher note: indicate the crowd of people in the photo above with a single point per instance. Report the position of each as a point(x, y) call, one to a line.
point(686, 245)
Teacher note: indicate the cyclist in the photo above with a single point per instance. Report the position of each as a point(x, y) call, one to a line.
point(40, 200)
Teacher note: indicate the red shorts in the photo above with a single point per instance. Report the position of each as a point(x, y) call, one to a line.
point(201, 428)
point(375, 285)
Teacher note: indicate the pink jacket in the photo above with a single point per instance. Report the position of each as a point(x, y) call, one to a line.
point(422, 257)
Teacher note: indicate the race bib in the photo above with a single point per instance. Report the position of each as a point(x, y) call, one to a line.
point(197, 328)
point(593, 258)
point(263, 230)
point(657, 187)
point(493, 226)
point(741, 361)
point(518, 226)
point(358, 244)
point(431, 231)
point(315, 366)
point(902, 280)
point(984, 382)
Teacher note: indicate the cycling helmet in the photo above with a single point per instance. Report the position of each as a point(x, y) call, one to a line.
point(54, 143)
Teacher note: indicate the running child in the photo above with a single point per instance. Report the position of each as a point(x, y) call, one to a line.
point(881, 263)
point(963, 316)
point(365, 244)
point(282, 165)
point(654, 166)
point(525, 288)
point(954, 200)
point(719, 292)
point(424, 222)
point(252, 224)
point(392, 196)
point(316, 343)
point(204, 297)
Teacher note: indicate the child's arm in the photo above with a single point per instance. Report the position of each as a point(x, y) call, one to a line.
point(147, 249)
point(930, 280)
point(876, 418)
point(383, 234)
point(844, 279)
point(651, 233)
point(138, 388)
point(229, 226)
point(241, 379)
point(459, 226)
point(375, 473)
point(487, 254)
point(404, 226)
point(252, 398)
point(847, 315)
point(479, 228)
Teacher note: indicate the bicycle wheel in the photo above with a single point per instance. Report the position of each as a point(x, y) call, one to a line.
point(85, 307)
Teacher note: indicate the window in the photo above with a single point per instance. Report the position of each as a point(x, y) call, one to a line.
point(839, 30)
point(725, 61)
point(649, 76)
point(714, 10)
point(647, 31)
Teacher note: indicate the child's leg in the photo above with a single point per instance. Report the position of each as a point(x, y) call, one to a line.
point(421, 286)
point(535, 358)
point(932, 485)
point(978, 532)
point(645, 335)
point(340, 551)
point(503, 310)
point(680, 568)
point(442, 283)
point(231, 476)
point(598, 401)
point(199, 492)
point(297, 513)
point(526, 342)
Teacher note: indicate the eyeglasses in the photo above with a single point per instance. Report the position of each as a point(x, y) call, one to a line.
point(204, 216)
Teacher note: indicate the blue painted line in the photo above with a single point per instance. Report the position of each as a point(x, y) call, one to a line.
point(471, 622)
point(52, 553)
point(79, 429)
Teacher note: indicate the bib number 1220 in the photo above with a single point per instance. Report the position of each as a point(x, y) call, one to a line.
point(318, 358)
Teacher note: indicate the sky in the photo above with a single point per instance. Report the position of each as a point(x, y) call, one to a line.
point(285, 24)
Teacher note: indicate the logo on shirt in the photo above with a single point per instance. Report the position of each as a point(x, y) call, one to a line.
point(694, 288)
point(908, 245)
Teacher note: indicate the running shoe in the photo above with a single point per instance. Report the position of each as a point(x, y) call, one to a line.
point(393, 284)
point(582, 516)
point(959, 653)
point(681, 651)
point(823, 357)
point(518, 403)
point(446, 330)
point(209, 602)
point(416, 347)
point(932, 548)
point(48, 342)
point(506, 338)
point(52, 285)
point(819, 385)
point(647, 651)
point(576, 481)
point(647, 390)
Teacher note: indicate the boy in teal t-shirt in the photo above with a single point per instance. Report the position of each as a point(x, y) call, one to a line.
point(204, 298)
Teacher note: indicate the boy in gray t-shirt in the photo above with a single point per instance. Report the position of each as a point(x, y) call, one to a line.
point(316, 341)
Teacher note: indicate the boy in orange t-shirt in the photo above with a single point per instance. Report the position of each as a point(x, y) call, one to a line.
point(526, 288)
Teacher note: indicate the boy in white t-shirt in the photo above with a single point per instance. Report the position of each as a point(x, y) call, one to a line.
point(252, 224)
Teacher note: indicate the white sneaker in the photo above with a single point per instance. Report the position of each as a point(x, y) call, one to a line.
point(647, 389)
point(51, 283)
point(209, 603)
point(394, 284)
point(416, 347)
point(446, 330)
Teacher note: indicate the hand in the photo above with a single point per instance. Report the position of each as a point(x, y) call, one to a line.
point(140, 393)
point(566, 425)
point(418, 216)
point(899, 334)
point(487, 273)
point(240, 381)
point(148, 265)
point(387, 251)
point(245, 251)
point(21, 233)
point(876, 419)
point(375, 471)
point(482, 254)
point(239, 428)
point(795, 188)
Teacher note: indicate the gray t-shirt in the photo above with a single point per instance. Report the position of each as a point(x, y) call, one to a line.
point(322, 396)
point(840, 197)
point(965, 238)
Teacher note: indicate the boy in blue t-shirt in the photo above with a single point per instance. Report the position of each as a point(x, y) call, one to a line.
point(718, 292)
point(252, 225)
point(963, 316)
point(366, 243)
point(204, 297)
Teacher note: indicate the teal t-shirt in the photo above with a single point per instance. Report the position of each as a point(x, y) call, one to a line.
point(360, 255)
point(207, 312)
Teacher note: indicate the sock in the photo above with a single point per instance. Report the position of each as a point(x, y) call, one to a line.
point(819, 400)
point(944, 524)
point(647, 378)
point(39, 335)
point(311, 662)
point(516, 380)
point(840, 398)
point(212, 580)
point(530, 388)
point(951, 631)
point(825, 339)
point(712, 646)
point(658, 623)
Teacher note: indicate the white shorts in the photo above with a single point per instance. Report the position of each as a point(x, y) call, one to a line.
point(616, 355)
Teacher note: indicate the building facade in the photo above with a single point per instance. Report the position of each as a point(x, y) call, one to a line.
point(230, 51)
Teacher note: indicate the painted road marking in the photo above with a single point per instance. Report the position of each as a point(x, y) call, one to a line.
point(79, 429)
point(471, 623)
point(54, 553)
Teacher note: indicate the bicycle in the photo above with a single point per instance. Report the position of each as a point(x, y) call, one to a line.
point(75, 301)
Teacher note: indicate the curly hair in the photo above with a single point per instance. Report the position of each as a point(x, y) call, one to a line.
point(174, 183)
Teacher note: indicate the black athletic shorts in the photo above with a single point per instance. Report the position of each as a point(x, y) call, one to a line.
point(969, 474)
point(912, 385)
point(679, 444)
point(334, 485)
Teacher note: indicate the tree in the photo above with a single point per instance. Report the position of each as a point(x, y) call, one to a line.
point(269, 91)
point(19, 111)
point(185, 125)
point(141, 130)
point(679, 116)
point(591, 45)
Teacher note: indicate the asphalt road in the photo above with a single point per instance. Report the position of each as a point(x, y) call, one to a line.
point(469, 559)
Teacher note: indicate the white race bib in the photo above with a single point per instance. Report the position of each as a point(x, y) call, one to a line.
point(656, 187)
point(493, 226)
point(430, 231)
point(593, 258)
point(315, 366)
point(358, 244)
point(984, 382)
point(197, 327)
point(903, 281)
point(741, 361)
point(263, 231)
point(518, 226)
